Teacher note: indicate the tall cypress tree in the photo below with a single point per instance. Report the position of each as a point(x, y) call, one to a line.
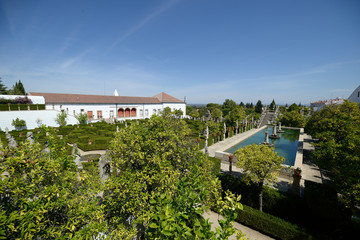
point(21, 88)
point(3, 89)
point(258, 107)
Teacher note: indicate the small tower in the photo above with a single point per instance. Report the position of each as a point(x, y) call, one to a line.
point(116, 93)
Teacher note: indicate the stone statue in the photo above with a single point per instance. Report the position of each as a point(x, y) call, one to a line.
point(30, 137)
point(74, 150)
point(117, 128)
point(12, 142)
point(46, 148)
point(104, 166)
point(206, 139)
point(125, 123)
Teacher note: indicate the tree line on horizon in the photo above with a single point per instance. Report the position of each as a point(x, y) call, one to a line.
point(17, 89)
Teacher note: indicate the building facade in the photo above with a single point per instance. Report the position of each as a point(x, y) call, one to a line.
point(98, 107)
point(355, 96)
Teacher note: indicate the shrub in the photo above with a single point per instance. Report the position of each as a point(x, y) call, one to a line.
point(270, 225)
point(61, 118)
point(216, 165)
point(322, 202)
point(22, 100)
point(82, 118)
point(19, 124)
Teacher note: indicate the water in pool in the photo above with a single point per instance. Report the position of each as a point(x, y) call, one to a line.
point(286, 146)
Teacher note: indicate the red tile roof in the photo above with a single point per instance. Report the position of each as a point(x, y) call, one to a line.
point(164, 97)
point(88, 99)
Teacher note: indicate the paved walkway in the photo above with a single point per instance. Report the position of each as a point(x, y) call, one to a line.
point(250, 233)
point(229, 142)
point(310, 171)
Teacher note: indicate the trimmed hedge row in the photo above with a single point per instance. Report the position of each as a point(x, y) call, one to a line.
point(23, 107)
point(270, 225)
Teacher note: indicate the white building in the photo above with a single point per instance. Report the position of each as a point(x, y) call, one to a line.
point(317, 106)
point(355, 96)
point(109, 107)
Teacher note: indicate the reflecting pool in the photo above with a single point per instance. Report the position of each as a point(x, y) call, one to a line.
point(286, 146)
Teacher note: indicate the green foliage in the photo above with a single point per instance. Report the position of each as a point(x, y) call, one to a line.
point(338, 130)
point(17, 89)
point(19, 124)
point(236, 113)
point(216, 113)
point(163, 182)
point(42, 195)
point(292, 119)
point(268, 224)
point(228, 106)
point(293, 107)
point(61, 118)
point(82, 118)
point(272, 105)
point(3, 90)
point(178, 113)
point(216, 165)
point(259, 163)
point(258, 107)
point(323, 203)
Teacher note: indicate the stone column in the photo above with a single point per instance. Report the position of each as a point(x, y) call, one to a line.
point(231, 157)
point(224, 131)
point(237, 126)
point(206, 140)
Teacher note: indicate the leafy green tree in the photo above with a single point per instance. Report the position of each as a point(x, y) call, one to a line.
point(3, 90)
point(242, 105)
point(161, 182)
point(17, 89)
point(178, 113)
point(216, 113)
point(213, 105)
point(19, 124)
point(260, 164)
point(258, 107)
point(82, 118)
point(237, 113)
point(272, 105)
point(61, 118)
point(43, 196)
point(166, 112)
point(292, 119)
point(228, 106)
point(338, 130)
point(293, 107)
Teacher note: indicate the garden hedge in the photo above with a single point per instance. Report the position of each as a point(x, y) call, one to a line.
point(271, 225)
point(23, 107)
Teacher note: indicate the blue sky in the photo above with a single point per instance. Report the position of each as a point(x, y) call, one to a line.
point(206, 50)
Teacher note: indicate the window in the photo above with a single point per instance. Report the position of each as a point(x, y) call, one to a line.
point(111, 113)
point(146, 113)
point(82, 110)
point(74, 113)
point(159, 111)
point(358, 94)
point(90, 114)
point(99, 114)
point(141, 113)
point(154, 111)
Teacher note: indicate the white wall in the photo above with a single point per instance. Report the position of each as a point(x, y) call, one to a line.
point(46, 116)
point(141, 109)
point(34, 99)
